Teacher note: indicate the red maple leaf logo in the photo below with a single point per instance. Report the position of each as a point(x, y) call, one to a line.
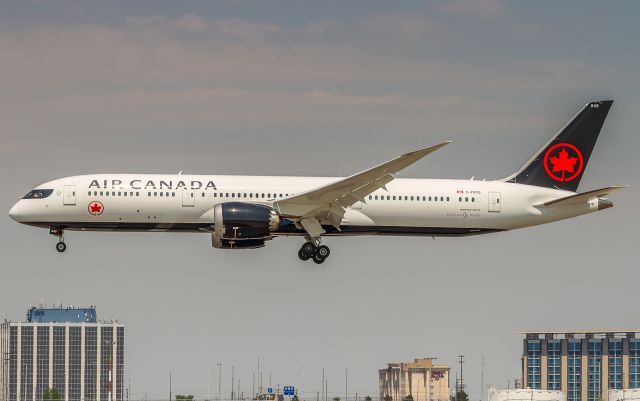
point(563, 162)
point(95, 208)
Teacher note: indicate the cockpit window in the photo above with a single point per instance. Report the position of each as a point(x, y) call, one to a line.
point(38, 194)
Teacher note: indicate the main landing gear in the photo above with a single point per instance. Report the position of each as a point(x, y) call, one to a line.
point(59, 232)
point(313, 250)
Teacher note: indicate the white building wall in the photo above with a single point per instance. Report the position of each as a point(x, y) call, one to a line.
point(525, 395)
point(624, 395)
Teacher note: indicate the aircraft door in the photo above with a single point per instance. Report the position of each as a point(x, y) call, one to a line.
point(495, 202)
point(69, 195)
point(188, 198)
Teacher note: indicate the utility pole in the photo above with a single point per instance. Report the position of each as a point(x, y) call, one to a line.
point(170, 388)
point(346, 383)
point(482, 380)
point(461, 385)
point(233, 380)
point(259, 381)
point(323, 396)
point(219, 379)
point(326, 389)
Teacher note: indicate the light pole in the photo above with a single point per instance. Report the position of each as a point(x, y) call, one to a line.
point(346, 383)
point(219, 379)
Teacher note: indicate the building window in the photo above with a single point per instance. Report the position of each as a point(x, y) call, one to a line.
point(594, 349)
point(634, 363)
point(553, 364)
point(615, 363)
point(533, 363)
point(574, 351)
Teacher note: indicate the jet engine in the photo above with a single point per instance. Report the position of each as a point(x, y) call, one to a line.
point(240, 225)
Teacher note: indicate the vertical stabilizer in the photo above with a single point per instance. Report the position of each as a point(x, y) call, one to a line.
point(562, 161)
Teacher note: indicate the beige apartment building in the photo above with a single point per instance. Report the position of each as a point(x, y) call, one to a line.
point(421, 379)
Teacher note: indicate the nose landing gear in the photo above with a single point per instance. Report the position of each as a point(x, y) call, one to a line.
point(313, 250)
point(59, 232)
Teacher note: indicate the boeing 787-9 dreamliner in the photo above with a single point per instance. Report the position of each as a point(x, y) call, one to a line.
point(244, 212)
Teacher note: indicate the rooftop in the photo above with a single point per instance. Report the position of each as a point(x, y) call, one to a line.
point(578, 334)
point(61, 314)
point(420, 363)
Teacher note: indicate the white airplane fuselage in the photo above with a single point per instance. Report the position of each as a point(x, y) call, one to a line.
point(433, 207)
point(243, 212)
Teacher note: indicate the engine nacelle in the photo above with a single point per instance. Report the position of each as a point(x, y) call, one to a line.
point(242, 225)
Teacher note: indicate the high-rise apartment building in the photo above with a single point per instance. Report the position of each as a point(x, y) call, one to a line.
point(64, 349)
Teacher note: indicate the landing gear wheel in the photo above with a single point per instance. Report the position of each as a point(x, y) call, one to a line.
point(58, 232)
point(309, 248)
point(323, 252)
point(318, 260)
point(303, 255)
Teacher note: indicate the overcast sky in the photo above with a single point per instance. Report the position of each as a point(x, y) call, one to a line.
point(319, 88)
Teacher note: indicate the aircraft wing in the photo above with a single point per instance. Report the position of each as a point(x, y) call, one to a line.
point(580, 197)
point(328, 204)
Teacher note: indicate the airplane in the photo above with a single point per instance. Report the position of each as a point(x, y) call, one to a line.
point(244, 212)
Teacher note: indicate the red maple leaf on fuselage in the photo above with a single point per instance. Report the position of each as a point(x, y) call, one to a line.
point(563, 163)
point(96, 208)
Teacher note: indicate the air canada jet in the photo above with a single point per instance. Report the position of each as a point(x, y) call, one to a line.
point(244, 212)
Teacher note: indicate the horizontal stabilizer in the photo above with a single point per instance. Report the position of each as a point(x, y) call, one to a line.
point(581, 197)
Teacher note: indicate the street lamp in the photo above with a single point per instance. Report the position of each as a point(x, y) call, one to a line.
point(219, 379)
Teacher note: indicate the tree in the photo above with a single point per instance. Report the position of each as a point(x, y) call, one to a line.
point(461, 395)
point(409, 398)
point(336, 398)
point(295, 398)
point(51, 394)
point(388, 398)
point(368, 398)
point(180, 397)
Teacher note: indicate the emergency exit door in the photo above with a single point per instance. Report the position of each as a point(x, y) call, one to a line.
point(188, 198)
point(495, 202)
point(69, 195)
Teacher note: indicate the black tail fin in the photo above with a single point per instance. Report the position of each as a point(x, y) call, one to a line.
point(563, 160)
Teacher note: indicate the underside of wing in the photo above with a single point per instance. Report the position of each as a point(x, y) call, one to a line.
point(328, 204)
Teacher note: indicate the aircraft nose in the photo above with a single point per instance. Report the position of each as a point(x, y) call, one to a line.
point(14, 213)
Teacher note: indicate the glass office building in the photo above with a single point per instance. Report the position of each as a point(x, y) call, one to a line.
point(584, 365)
point(65, 349)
